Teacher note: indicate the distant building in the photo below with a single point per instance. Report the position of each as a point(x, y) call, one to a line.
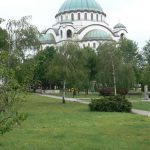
point(81, 21)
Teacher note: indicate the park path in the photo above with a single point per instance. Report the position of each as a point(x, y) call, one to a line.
point(135, 111)
point(67, 99)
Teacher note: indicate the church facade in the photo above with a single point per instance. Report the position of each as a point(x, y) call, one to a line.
point(83, 22)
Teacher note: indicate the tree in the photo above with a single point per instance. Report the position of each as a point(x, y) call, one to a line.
point(129, 50)
point(9, 90)
point(145, 69)
point(146, 52)
point(112, 69)
point(65, 66)
point(131, 56)
point(43, 59)
point(3, 39)
point(89, 61)
point(14, 43)
point(23, 37)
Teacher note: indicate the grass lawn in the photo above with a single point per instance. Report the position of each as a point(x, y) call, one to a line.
point(52, 125)
point(142, 105)
point(135, 98)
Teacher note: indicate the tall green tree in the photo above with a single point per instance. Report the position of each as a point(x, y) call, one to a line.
point(131, 56)
point(112, 69)
point(65, 66)
point(9, 89)
point(146, 52)
point(89, 61)
point(43, 59)
point(23, 37)
point(19, 37)
point(145, 70)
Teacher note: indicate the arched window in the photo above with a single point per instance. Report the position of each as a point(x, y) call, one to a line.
point(97, 17)
point(72, 17)
point(122, 35)
point(61, 18)
point(85, 16)
point(69, 34)
point(79, 17)
point(88, 44)
point(61, 33)
point(92, 16)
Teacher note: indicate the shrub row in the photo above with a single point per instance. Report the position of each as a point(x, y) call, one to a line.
point(108, 91)
point(111, 104)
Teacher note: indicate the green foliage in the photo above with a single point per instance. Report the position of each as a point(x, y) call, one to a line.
point(111, 104)
point(112, 68)
point(9, 88)
point(129, 50)
point(9, 119)
point(145, 70)
point(3, 39)
point(145, 75)
point(42, 61)
point(9, 98)
point(68, 67)
point(23, 37)
point(146, 52)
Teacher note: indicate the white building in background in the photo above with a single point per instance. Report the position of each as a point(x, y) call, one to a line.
point(83, 22)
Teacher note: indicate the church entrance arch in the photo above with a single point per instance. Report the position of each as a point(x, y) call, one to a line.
point(69, 34)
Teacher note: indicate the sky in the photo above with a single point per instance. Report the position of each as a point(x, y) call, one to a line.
point(134, 14)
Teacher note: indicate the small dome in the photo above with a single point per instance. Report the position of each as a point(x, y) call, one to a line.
point(80, 5)
point(97, 35)
point(119, 25)
point(47, 39)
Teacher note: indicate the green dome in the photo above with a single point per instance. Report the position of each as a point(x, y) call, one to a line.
point(97, 35)
point(76, 5)
point(119, 25)
point(47, 39)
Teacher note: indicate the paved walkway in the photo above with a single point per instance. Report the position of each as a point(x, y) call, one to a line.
point(67, 99)
point(135, 111)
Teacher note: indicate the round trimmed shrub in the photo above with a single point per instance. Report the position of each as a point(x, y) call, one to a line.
point(111, 104)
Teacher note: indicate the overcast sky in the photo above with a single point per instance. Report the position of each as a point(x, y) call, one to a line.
point(134, 14)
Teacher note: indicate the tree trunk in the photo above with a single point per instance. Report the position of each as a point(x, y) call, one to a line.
point(63, 98)
point(114, 78)
point(87, 92)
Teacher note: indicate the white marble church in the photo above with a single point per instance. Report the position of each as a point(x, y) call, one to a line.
point(83, 22)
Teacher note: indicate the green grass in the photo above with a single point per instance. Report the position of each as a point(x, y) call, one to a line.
point(52, 125)
point(142, 105)
point(135, 98)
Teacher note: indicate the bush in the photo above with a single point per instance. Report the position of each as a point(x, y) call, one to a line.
point(122, 92)
point(111, 104)
point(106, 91)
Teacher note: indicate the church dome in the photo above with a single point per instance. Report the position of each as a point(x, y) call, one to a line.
point(47, 39)
point(80, 5)
point(119, 25)
point(97, 35)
